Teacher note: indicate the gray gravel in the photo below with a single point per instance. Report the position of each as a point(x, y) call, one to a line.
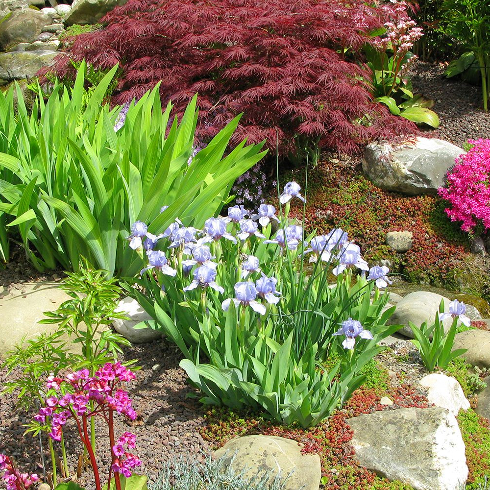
point(458, 104)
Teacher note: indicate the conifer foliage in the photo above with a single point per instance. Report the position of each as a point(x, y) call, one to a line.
point(290, 66)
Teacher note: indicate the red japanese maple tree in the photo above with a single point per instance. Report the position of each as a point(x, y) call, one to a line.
point(290, 66)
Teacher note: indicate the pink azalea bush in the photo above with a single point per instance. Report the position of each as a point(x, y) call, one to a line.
point(468, 188)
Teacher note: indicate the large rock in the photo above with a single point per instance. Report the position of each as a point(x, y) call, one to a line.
point(445, 392)
point(90, 11)
point(418, 307)
point(19, 65)
point(271, 454)
point(483, 405)
point(419, 446)
point(477, 343)
point(137, 327)
point(416, 167)
point(23, 26)
point(22, 309)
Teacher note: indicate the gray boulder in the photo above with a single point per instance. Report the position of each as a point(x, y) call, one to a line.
point(23, 64)
point(137, 327)
point(273, 455)
point(90, 11)
point(418, 307)
point(422, 447)
point(483, 405)
point(477, 345)
point(416, 167)
point(23, 26)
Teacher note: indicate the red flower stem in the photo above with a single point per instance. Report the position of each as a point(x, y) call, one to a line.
point(113, 443)
point(86, 442)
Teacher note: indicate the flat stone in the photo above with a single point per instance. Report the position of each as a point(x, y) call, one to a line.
point(63, 9)
point(24, 64)
point(418, 166)
point(445, 392)
point(22, 309)
point(273, 455)
point(400, 241)
point(477, 343)
point(422, 447)
point(137, 328)
point(54, 28)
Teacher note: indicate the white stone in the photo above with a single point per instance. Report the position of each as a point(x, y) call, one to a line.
point(62, 9)
point(422, 447)
point(445, 392)
point(49, 11)
point(136, 328)
point(477, 345)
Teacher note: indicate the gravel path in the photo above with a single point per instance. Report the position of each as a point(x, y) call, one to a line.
point(168, 422)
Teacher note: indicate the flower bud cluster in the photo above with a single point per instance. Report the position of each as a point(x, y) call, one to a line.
point(100, 389)
point(124, 461)
point(401, 32)
point(14, 479)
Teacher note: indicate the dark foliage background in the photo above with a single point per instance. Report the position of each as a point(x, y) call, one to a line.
point(293, 67)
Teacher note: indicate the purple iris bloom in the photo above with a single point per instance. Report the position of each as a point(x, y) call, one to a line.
point(291, 189)
point(266, 213)
point(319, 245)
point(380, 275)
point(249, 228)
point(216, 229)
point(201, 255)
point(456, 309)
point(336, 238)
point(151, 241)
point(204, 276)
point(292, 236)
point(236, 214)
point(352, 329)
point(183, 236)
point(158, 260)
point(266, 288)
point(245, 294)
point(138, 231)
point(121, 117)
point(250, 265)
point(350, 255)
point(171, 230)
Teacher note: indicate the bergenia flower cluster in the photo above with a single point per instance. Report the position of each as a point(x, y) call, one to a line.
point(80, 396)
point(468, 188)
point(13, 478)
point(401, 32)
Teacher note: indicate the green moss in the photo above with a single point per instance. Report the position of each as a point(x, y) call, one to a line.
point(469, 380)
point(377, 377)
point(476, 436)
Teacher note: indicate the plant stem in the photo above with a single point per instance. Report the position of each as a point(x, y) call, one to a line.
point(53, 461)
point(86, 442)
point(113, 443)
point(63, 454)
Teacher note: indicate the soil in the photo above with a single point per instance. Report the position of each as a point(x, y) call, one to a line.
point(168, 421)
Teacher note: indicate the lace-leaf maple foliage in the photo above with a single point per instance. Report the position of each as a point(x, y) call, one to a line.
point(288, 65)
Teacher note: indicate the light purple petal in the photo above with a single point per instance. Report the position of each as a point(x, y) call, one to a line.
point(256, 306)
point(366, 334)
point(167, 270)
point(270, 298)
point(226, 304)
point(465, 320)
point(192, 285)
point(216, 287)
point(349, 343)
point(135, 242)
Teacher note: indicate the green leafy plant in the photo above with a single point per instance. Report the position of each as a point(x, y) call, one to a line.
point(467, 376)
point(37, 358)
point(434, 345)
point(388, 57)
point(75, 174)
point(467, 22)
point(87, 315)
point(263, 345)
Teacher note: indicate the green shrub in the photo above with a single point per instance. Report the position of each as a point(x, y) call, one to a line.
point(73, 182)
